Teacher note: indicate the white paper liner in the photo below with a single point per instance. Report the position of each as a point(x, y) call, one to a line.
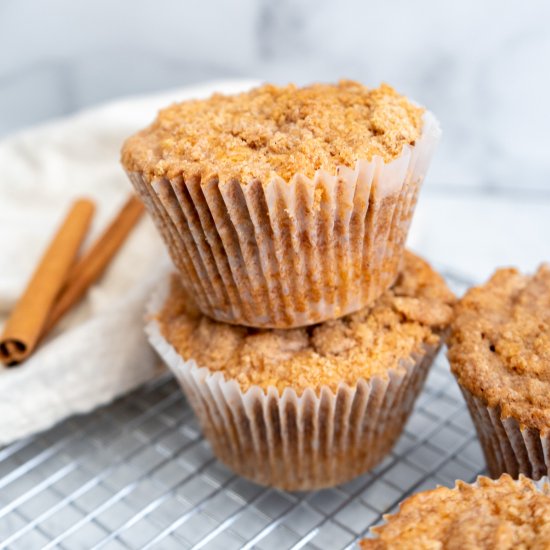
point(291, 442)
point(508, 446)
point(288, 254)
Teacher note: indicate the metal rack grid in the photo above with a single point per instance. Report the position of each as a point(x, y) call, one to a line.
point(138, 474)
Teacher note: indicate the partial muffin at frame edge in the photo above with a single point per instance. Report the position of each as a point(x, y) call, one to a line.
point(486, 514)
point(499, 351)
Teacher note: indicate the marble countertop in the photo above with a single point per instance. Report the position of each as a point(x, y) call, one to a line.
point(482, 69)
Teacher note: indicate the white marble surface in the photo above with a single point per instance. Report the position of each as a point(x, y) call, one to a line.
point(481, 67)
point(475, 232)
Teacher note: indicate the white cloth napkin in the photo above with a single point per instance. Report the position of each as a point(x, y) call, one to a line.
point(99, 351)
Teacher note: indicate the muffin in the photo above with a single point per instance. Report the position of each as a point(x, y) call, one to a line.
point(503, 514)
point(283, 206)
point(499, 351)
point(308, 407)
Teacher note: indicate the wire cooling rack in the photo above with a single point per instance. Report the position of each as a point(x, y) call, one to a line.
point(138, 474)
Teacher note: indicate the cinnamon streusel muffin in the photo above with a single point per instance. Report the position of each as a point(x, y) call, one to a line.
point(285, 206)
point(485, 515)
point(308, 407)
point(499, 351)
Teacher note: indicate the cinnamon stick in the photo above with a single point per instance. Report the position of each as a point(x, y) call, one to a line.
point(26, 322)
point(94, 262)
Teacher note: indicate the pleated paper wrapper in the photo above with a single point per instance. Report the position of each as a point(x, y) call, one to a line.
point(296, 442)
point(287, 254)
point(507, 445)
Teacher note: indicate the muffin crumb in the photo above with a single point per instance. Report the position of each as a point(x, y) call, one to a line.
point(490, 514)
point(275, 131)
point(411, 314)
point(499, 347)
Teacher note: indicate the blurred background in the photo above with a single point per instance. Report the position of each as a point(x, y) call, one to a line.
point(482, 67)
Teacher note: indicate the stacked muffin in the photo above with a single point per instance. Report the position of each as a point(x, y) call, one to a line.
point(298, 327)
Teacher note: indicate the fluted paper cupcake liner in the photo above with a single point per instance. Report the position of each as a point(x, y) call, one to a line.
point(286, 254)
point(297, 442)
point(508, 446)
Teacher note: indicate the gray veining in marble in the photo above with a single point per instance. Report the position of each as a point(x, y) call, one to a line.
point(482, 67)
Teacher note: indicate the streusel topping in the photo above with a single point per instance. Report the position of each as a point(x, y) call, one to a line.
point(411, 314)
point(501, 514)
point(500, 345)
point(274, 130)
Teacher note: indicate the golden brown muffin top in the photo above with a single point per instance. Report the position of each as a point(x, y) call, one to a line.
point(370, 342)
point(501, 514)
point(500, 345)
point(273, 130)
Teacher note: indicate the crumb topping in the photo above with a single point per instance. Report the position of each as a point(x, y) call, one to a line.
point(500, 345)
point(274, 130)
point(501, 514)
point(412, 313)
